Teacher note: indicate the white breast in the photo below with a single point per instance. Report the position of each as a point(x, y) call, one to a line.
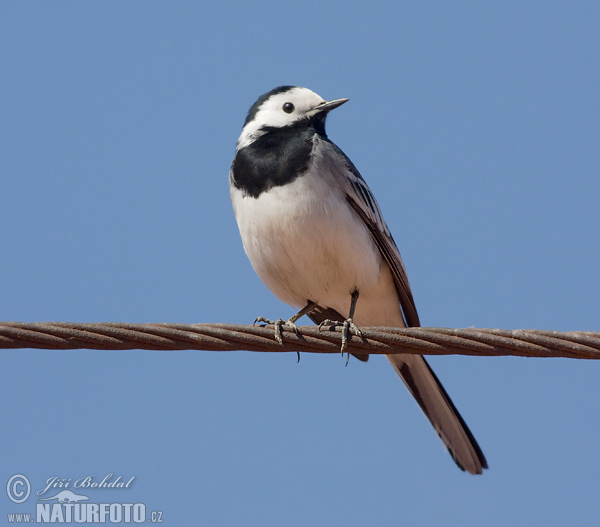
point(306, 243)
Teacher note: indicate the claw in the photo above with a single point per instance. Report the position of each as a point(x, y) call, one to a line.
point(288, 324)
point(279, 324)
point(349, 328)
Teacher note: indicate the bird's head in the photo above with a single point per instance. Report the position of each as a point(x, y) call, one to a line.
point(285, 106)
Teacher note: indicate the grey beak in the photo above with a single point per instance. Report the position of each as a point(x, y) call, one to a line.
point(330, 105)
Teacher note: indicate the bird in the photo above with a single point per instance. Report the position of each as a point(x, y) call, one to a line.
point(316, 237)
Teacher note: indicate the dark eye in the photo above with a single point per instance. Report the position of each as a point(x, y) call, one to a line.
point(288, 107)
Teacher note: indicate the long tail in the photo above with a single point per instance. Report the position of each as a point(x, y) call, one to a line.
point(433, 400)
point(428, 391)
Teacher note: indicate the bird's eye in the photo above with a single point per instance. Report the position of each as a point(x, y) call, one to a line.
point(288, 107)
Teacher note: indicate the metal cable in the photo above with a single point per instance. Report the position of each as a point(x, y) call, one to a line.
point(230, 337)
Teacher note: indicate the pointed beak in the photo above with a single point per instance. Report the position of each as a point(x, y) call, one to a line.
point(330, 105)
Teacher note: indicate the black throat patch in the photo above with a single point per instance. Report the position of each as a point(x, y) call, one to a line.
point(276, 158)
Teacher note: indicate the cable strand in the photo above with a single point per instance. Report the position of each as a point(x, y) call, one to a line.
point(232, 337)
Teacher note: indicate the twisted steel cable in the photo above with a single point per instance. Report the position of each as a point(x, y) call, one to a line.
point(231, 337)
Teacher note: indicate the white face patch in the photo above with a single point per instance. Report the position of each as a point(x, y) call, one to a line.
point(299, 103)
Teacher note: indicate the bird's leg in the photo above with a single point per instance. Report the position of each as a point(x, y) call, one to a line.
point(348, 326)
point(289, 323)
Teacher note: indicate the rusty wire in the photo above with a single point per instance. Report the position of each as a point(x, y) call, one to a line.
point(230, 337)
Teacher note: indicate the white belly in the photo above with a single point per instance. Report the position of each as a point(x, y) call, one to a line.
point(307, 244)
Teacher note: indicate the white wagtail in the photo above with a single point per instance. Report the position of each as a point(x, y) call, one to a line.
point(316, 237)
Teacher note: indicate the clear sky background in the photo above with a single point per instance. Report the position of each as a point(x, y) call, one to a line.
point(476, 126)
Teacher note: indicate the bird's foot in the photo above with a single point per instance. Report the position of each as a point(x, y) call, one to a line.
point(349, 328)
point(280, 325)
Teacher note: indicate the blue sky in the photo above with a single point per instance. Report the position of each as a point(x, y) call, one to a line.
point(476, 127)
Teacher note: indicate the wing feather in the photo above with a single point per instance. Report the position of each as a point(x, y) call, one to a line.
point(361, 199)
